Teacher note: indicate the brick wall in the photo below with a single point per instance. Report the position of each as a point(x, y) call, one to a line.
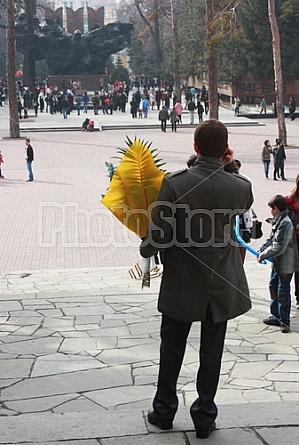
point(74, 20)
point(95, 16)
point(251, 91)
point(88, 82)
point(51, 14)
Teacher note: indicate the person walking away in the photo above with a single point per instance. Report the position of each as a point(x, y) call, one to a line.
point(293, 203)
point(167, 101)
point(163, 118)
point(191, 108)
point(188, 97)
point(26, 103)
point(292, 108)
point(95, 102)
point(85, 100)
point(145, 107)
point(134, 107)
point(20, 107)
point(203, 93)
point(1, 162)
point(29, 156)
point(158, 98)
point(201, 280)
point(123, 101)
point(64, 107)
point(266, 157)
point(173, 117)
point(263, 106)
point(138, 97)
point(111, 104)
point(200, 110)
point(78, 100)
point(279, 158)
point(206, 103)
point(41, 99)
point(237, 104)
point(51, 103)
point(281, 246)
point(105, 103)
point(179, 110)
point(35, 105)
point(2, 96)
point(70, 100)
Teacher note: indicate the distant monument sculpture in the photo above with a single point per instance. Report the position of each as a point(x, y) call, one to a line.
point(73, 54)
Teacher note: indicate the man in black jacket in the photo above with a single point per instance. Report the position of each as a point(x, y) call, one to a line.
point(279, 158)
point(29, 156)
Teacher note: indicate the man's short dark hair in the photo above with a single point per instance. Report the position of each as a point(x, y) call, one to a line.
point(278, 201)
point(211, 138)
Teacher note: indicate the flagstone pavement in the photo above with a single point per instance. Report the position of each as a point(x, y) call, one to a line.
point(79, 346)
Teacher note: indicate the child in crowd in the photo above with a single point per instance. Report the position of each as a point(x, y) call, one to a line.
point(281, 246)
point(140, 111)
point(1, 162)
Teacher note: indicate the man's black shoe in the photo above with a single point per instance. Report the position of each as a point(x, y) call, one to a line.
point(204, 434)
point(285, 328)
point(162, 424)
point(271, 321)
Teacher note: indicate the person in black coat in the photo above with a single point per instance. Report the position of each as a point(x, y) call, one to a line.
point(292, 108)
point(29, 156)
point(134, 108)
point(279, 158)
point(203, 275)
point(163, 118)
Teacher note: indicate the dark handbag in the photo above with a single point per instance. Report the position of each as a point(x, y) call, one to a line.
point(256, 229)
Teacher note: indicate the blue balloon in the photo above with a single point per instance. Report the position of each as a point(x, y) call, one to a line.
point(247, 246)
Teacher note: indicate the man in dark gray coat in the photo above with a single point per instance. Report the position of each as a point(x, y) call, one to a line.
point(203, 278)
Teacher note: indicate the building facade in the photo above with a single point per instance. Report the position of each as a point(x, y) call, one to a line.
point(83, 12)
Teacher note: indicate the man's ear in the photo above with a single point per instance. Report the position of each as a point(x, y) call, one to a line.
point(196, 149)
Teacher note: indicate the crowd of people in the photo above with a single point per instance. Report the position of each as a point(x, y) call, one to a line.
point(140, 99)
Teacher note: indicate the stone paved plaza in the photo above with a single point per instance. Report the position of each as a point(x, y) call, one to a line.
point(79, 339)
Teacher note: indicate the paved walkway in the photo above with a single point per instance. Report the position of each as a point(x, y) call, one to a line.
point(79, 340)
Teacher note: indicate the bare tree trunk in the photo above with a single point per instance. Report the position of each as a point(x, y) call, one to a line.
point(29, 57)
point(11, 70)
point(175, 51)
point(154, 31)
point(211, 61)
point(282, 131)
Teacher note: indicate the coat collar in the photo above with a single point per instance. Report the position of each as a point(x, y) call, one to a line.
point(208, 160)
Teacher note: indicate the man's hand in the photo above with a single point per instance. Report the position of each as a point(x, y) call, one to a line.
point(258, 259)
point(228, 156)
